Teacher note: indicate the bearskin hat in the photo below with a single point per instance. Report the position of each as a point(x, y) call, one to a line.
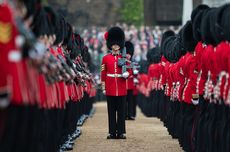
point(165, 45)
point(165, 35)
point(61, 29)
point(31, 7)
point(226, 24)
point(206, 35)
point(172, 47)
point(86, 55)
point(52, 19)
point(223, 22)
point(218, 29)
point(197, 10)
point(188, 41)
point(196, 21)
point(154, 55)
point(40, 25)
point(212, 21)
point(68, 34)
point(129, 48)
point(115, 36)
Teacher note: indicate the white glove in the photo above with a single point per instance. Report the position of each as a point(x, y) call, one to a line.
point(103, 92)
point(195, 101)
point(135, 72)
point(14, 56)
point(125, 74)
point(135, 80)
point(4, 102)
point(38, 51)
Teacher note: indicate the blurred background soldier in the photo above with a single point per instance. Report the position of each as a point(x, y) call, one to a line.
point(129, 82)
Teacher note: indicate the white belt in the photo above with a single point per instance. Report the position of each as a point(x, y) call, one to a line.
point(114, 75)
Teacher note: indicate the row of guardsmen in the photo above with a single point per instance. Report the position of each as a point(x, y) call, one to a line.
point(46, 88)
point(188, 84)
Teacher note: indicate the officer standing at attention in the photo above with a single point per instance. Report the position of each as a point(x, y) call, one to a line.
point(114, 83)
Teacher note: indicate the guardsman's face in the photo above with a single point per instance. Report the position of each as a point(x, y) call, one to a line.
point(19, 10)
point(52, 39)
point(115, 47)
point(128, 56)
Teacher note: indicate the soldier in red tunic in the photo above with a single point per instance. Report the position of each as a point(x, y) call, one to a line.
point(114, 83)
point(129, 83)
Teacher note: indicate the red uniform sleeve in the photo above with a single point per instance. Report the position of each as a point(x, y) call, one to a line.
point(103, 72)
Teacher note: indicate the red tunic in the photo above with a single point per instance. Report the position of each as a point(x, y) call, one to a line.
point(199, 52)
point(174, 79)
point(135, 91)
point(154, 75)
point(181, 77)
point(129, 81)
point(222, 69)
point(115, 85)
point(164, 63)
point(204, 68)
point(143, 83)
point(168, 79)
point(12, 70)
point(227, 84)
point(7, 42)
point(191, 74)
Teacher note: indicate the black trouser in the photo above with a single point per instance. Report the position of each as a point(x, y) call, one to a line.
point(129, 104)
point(134, 105)
point(116, 114)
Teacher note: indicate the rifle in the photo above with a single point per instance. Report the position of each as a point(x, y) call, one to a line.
point(122, 63)
point(134, 66)
point(77, 70)
point(53, 72)
point(66, 69)
point(30, 44)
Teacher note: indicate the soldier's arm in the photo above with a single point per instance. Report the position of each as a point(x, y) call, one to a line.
point(103, 73)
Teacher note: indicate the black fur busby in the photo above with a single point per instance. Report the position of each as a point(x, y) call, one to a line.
point(196, 22)
point(226, 23)
point(212, 21)
point(80, 41)
point(69, 42)
point(154, 55)
point(86, 55)
point(129, 48)
point(115, 36)
point(165, 35)
point(188, 41)
point(53, 21)
point(197, 10)
point(196, 26)
point(40, 25)
point(172, 47)
point(218, 29)
point(222, 23)
point(206, 34)
point(165, 45)
point(68, 34)
point(74, 52)
point(31, 7)
point(61, 28)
